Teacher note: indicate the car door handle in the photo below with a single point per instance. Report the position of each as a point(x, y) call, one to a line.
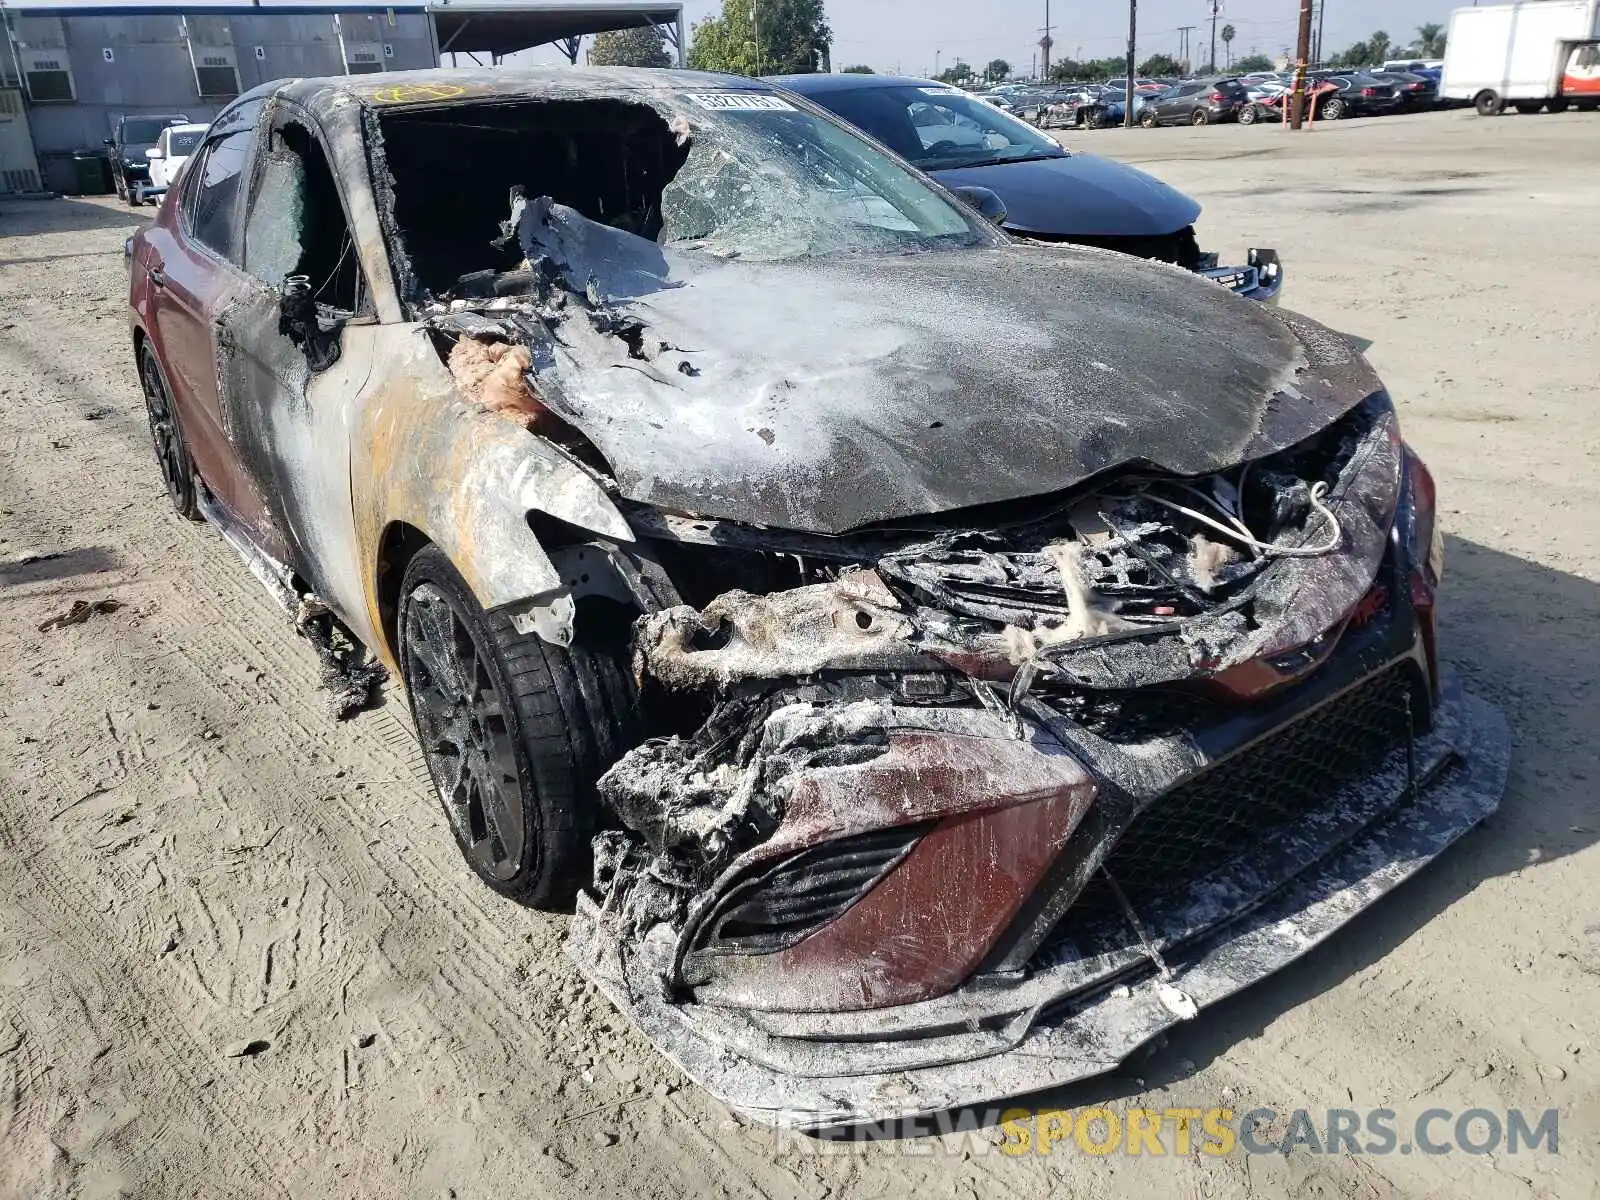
point(158, 277)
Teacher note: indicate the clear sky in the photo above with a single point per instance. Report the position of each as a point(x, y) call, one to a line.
point(907, 35)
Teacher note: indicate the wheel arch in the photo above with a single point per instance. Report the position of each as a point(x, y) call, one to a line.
point(430, 469)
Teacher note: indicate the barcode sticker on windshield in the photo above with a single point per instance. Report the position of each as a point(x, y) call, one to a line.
point(741, 102)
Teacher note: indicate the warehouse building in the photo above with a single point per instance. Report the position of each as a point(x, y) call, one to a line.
point(70, 68)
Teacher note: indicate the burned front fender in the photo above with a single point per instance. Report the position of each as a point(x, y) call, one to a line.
point(466, 480)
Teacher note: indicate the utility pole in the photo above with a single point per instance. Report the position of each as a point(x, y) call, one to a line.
point(1216, 7)
point(1046, 42)
point(1322, 11)
point(1133, 34)
point(755, 19)
point(1297, 98)
point(1183, 45)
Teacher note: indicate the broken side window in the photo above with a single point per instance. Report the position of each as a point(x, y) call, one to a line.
point(297, 240)
point(297, 225)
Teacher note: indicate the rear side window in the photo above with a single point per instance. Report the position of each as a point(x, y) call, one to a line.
point(211, 207)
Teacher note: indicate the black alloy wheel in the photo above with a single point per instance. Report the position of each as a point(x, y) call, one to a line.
point(467, 735)
point(515, 730)
point(172, 455)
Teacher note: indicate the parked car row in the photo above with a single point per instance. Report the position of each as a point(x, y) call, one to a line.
point(1339, 94)
point(1399, 86)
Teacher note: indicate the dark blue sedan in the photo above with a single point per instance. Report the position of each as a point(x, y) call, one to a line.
point(1049, 193)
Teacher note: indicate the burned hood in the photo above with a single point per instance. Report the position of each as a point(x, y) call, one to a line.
point(824, 394)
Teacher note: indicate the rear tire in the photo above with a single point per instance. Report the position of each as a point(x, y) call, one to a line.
point(1199, 117)
point(1333, 110)
point(1556, 106)
point(172, 452)
point(1526, 107)
point(1248, 115)
point(515, 731)
point(1488, 103)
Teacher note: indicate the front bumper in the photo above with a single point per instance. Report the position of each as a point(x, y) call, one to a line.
point(1009, 1034)
point(1260, 279)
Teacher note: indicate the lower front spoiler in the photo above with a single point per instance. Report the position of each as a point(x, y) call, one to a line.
point(1061, 1035)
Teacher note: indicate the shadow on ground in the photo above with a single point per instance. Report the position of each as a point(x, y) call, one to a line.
point(25, 218)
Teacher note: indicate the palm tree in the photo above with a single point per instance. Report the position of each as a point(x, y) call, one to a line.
point(1378, 45)
point(1227, 42)
point(1430, 40)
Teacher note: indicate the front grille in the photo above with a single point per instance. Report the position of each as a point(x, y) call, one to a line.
point(1126, 715)
point(1230, 809)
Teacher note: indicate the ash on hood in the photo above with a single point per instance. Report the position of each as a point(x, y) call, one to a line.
point(827, 393)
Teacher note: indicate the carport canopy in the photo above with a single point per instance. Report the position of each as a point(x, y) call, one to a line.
point(500, 27)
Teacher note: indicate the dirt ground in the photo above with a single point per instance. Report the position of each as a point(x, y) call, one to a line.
point(240, 956)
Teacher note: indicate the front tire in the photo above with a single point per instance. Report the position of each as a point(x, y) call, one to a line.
point(172, 452)
point(514, 730)
point(1247, 115)
point(1488, 103)
point(1147, 119)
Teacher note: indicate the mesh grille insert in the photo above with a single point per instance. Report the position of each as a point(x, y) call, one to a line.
point(1207, 822)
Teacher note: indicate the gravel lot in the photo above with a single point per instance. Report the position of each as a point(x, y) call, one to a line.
point(239, 955)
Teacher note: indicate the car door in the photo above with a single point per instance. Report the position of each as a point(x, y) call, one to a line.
point(1186, 100)
point(193, 274)
point(160, 169)
point(285, 379)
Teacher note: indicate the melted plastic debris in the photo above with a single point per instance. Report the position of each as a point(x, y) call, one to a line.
point(853, 622)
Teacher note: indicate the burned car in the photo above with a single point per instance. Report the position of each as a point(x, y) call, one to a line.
point(937, 663)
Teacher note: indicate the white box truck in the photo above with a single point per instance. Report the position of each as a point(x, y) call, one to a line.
point(1532, 54)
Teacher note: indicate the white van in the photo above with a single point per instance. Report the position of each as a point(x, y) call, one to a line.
point(1538, 53)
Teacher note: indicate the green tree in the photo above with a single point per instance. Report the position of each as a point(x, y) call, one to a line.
point(1430, 41)
point(1070, 70)
point(795, 38)
point(1228, 33)
point(862, 69)
point(955, 73)
point(1160, 64)
point(1253, 62)
point(1377, 47)
point(642, 46)
point(997, 70)
point(1357, 55)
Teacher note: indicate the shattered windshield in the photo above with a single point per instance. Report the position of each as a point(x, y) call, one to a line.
point(731, 174)
point(766, 180)
point(939, 128)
